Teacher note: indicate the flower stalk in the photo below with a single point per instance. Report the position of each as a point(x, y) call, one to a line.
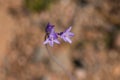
point(60, 64)
point(51, 37)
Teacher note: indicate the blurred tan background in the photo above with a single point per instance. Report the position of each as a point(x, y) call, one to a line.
point(93, 55)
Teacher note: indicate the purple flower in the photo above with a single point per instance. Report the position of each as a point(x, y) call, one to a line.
point(49, 28)
point(52, 38)
point(66, 35)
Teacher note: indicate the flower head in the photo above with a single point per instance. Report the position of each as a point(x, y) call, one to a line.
point(66, 35)
point(52, 38)
point(49, 28)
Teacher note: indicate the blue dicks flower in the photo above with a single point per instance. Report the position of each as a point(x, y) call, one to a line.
point(49, 28)
point(66, 35)
point(52, 38)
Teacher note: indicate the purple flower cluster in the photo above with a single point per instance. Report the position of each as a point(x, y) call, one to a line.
point(53, 36)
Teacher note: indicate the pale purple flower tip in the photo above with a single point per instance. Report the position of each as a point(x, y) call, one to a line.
point(66, 35)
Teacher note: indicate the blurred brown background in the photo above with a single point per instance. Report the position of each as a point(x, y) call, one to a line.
point(93, 55)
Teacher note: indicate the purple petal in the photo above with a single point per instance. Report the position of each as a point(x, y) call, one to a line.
point(49, 28)
point(71, 34)
point(56, 41)
point(64, 38)
point(51, 43)
point(69, 29)
point(68, 40)
point(46, 41)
